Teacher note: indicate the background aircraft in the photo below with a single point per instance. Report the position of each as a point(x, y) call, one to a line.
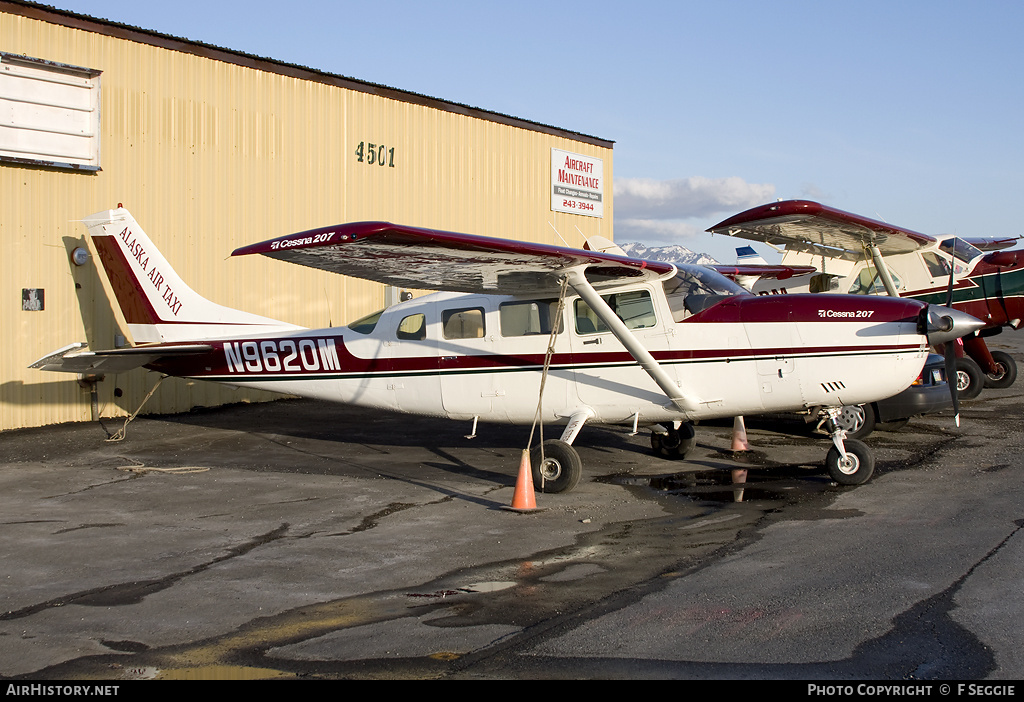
point(854, 254)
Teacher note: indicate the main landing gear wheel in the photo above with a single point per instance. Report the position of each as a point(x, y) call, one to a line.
point(561, 469)
point(857, 420)
point(856, 468)
point(969, 379)
point(676, 443)
point(1007, 373)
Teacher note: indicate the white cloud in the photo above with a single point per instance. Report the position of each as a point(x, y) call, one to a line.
point(685, 198)
point(654, 230)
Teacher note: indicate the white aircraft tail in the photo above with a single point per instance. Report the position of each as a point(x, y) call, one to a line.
point(746, 254)
point(156, 303)
point(604, 245)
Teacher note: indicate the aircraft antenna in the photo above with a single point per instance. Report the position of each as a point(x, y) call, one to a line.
point(582, 235)
point(560, 236)
point(330, 313)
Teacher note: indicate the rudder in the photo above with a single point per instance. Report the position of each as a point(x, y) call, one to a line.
point(157, 304)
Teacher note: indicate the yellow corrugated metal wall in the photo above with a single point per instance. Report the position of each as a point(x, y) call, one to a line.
point(209, 155)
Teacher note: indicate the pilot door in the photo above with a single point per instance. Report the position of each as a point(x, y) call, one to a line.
point(608, 378)
point(410, 352)
point(774, 345)
point(467, 361)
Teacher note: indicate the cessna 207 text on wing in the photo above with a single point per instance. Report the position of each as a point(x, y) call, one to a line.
point(864, 256)
point(634, 342)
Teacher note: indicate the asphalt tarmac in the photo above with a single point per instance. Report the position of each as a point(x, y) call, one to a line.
point(299, 539)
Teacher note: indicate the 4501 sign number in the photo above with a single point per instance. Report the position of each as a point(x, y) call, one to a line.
point(375, 154)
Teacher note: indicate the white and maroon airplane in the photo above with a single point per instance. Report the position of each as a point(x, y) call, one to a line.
point(624, 341)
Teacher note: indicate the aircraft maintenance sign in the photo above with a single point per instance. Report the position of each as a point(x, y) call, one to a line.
point(577, 183)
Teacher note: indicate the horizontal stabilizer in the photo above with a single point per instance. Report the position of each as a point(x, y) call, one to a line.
point(73, 359)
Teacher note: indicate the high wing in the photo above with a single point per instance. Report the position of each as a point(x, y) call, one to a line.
point(990, 243)
point(74, 359)
point(437, 260)
point(802, 225)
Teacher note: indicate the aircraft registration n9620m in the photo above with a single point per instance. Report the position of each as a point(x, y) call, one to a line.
point(623, 341)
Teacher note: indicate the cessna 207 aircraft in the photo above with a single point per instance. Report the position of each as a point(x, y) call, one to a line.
point(860, 255)
point(633, 342)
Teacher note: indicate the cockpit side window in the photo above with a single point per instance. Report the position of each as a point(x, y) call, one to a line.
point(634, 308)
point(960, 249)
point(412, 328)
point(869, 282)
point(938, 267)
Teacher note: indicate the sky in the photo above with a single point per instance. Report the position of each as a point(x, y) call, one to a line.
point(910, 112)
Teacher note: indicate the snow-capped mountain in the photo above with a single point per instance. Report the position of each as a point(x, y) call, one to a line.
point(667, 254)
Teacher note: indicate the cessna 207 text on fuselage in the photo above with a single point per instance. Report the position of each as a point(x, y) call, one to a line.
point(640, 343)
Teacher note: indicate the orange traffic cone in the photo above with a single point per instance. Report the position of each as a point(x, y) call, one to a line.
point(739, 435)
point(739, 478)
point(523, 499)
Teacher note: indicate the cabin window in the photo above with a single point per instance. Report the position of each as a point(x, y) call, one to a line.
point(634, 308)
point(413, 328)
point(869, 282)
point(823, 283)
point(463, 323)
point(937, 265)
point(528, 317)
point(365, 325)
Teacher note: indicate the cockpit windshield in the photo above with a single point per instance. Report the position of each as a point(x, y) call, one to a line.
point(365, 325)
point(960, 249)
point(695, 288)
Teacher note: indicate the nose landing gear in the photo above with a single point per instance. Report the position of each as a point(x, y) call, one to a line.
point(849, 462)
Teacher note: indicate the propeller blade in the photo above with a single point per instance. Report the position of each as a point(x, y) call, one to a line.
point(944, 326)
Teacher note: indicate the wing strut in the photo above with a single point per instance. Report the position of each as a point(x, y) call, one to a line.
point(579, 283)
point(883, 270)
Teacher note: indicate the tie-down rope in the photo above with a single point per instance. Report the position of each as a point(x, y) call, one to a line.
point(537, 417)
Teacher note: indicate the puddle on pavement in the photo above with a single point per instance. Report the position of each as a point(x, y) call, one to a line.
point(493, 586)
point(735, 485)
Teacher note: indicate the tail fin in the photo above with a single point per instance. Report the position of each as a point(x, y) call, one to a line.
point(157, 304)
point(747, 255)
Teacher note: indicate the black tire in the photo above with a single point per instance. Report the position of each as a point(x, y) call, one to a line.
point(857, 420)
point(676, 443)
point(858, 467)
point(970, 381)
point(1008, 371)
point(561, 469)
